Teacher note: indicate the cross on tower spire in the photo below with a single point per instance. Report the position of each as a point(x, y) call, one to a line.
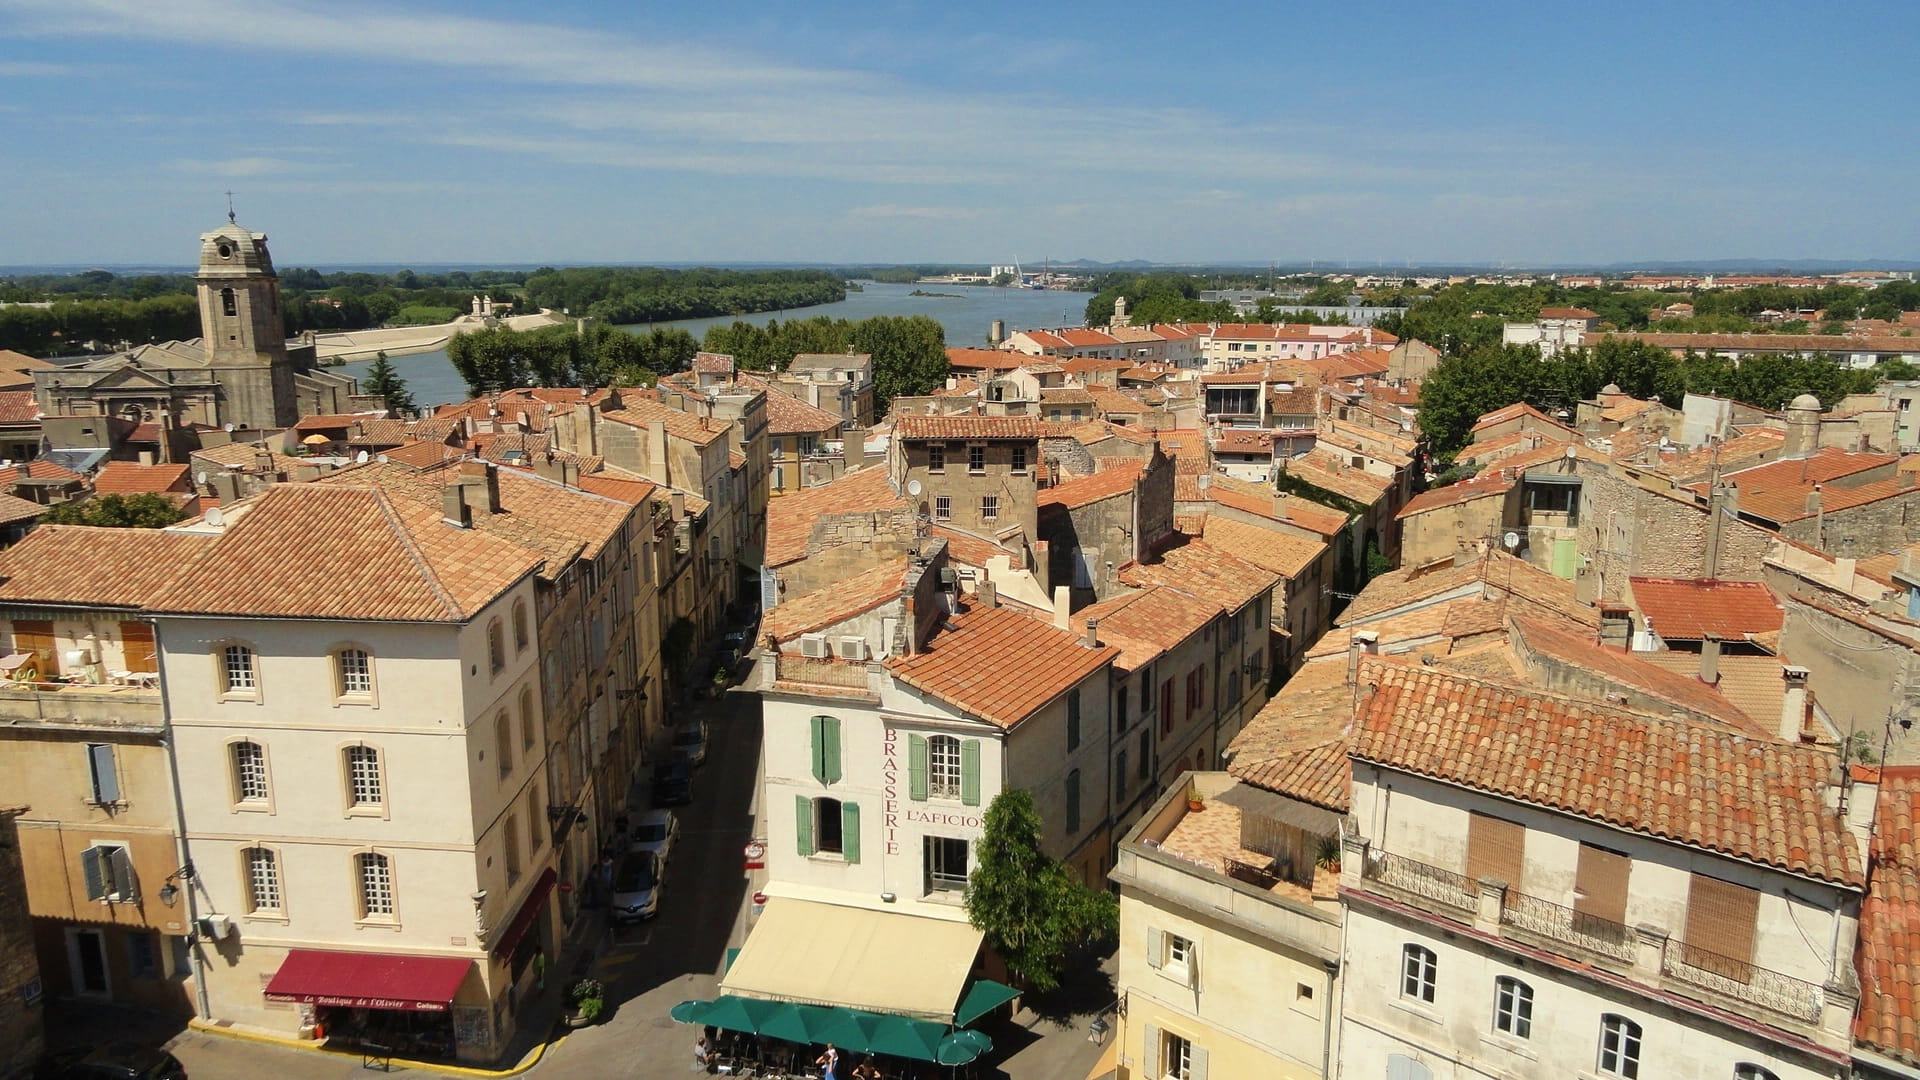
point(230, 218)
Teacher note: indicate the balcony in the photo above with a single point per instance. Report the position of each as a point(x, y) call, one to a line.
point(1565, 926)
point(86, 705)
point(835, 674)
point(1454, 892)
point(1741, 981)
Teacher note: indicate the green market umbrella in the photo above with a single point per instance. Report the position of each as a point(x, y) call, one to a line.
point(853, 1029)
point(802, 1024)
point(904, 1037)
point(962, 1047)
point(689, 1012)
point(982, 997)
point(740, 1014)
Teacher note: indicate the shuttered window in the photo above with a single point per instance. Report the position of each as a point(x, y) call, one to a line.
point(1495, 849)
point(826, 749)
point(850, 832)
point(1600, 884)
point(136, 647)
point(36, 637)
point(1721, 917)
point(803, 824)
point(108, 869)
point(970, 772)
point(103, 775)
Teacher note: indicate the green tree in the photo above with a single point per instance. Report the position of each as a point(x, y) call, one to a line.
point(909, 355)
point(382, 379)
point(1027, 905)
point(142, 511)
point(1003, 278)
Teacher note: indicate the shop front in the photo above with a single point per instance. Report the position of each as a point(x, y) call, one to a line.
point(397, 1005)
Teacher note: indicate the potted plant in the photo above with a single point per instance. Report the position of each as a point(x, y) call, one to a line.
point(1328, 856)
point(585, 1001)
point(1194, 801)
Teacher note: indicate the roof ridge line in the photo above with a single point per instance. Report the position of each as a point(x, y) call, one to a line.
point(412, 548)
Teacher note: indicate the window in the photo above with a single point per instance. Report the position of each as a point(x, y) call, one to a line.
point(1146, 753)
point(1619, 1047)
point(827, 825)
point(534, 838)
point(237, 670)
point(1721, 920)
point(1179, 954)
point(519, 627)
point(976, 458)
point(826, 748)
point(375, 878)
point(353, 673)
point(1176, 1057)
point(503, 742)
point(108, 869)
point(496, 648)
point(1120, 711)
point(263, 880)
point(511, 839)
point(1402, 1067)
point(1120, 777)
point(989, 507)
point(1073, 802)
point(1513, 1007)
point(363, 777)
point(527, 718)
point(249, 771)
point(1019, 459)
point(829, 835)
point(943, 767)
point(1747, 1070)
point(1417, 970)
point(1073, 718)
point(946, 863)
point(143, 954)
point(103, 776)
point(943, 508)
point(1496, 848)
point(936, 457)
point(1195, 691)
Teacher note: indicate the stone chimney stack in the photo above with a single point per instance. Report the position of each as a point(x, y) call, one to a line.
point(1364, 643)
point(1092, 637)
point(989, 594)
point(1062, 607)
point(1616, 625)
point(854, 440)
point(1803, 427)
point(1793, 703)
point(1710, 659)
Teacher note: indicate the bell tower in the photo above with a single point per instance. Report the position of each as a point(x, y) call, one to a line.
point(242, 329)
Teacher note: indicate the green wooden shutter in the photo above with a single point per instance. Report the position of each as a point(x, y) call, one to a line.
point(917, 768)
point(830, 749)
point(93, 865)
point(803, 823)
point(850, 832)
point(817, 742)
point(1566, 558)
point(970, 772)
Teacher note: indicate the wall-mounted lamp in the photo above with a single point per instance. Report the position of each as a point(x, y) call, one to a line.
point(169, 892)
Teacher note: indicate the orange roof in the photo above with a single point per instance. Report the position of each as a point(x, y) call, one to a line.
point(1144, 623)
point(1489, 483)
point(968, 426)
point(1267, 548)
point(967, 664)
point(1567, 313)
point(1413, 586)
point(1514, 412)
point(330, 551)
point(1116, 479)
point(128, 478)
point(642, 412)
point(423, 455)
point(970, 550)
point(333, 421)
point(1623, 668)
point(1887, 955)
point(1689, 783)
point(80, 565)
point(1325, 472)
point(1297, 745)
point(1201, 570)
point(791, 518)
point(630, 490)
point(836, 603)
point(1235, 440)
point(1688, 609)
point(18, 407)
point(788, 415)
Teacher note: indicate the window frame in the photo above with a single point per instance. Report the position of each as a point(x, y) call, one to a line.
point(943, 881)
point(342, 693)
point(976, 452)
point(521, 636)
point(97, 792)
point(1419, 973)
point(528, 721)
point(936, 457)
point(350, 787)
point(1176, 1057)
point(250, 883)
point(818, 805)
point(496, 647)
point(943, 508)
point(224, 669)
point(236, 787)
point(1019, 458)
point(364, 913)
point(510, 848)
point(1623, 1058)
point(503, 743)
point(1071, 792)
point(990, 507)
point(110, 893)
point(943, 757)
point(1513, 1007)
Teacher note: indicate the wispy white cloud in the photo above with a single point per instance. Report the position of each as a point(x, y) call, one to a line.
point(33, 69)
point(244, 166)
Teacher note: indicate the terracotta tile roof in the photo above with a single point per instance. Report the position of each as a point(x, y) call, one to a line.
point(1144, 623)
point(1235, 440)
point(96, 567)
point(788, 415)
point(1327, 473)
point(713, 363)
point(18, 407)
point(128, 478)
point(967, 664)
point(836, 603)
point(1514, 412)
point(1754, 684)
point(423, 455)
point(1567, 313)
point(244, 456)
point(1345, 440)
point(791, 518)
point(641, 412)
point(333, 421)
point(1201, 570)
point(1791, 504)
point(1090, 432)
point(1297, 745)
point(1625, 669)
point(968, 426)
point(15, 509)
point(1190, 524)
point(1351, 365)
point(1485, 485)
point(1744, 343)
point(1689, 783)
point(970, 550)
point(1887, 954)
point(39, 469)
point(1187, 447)
point(1686, 609)
point(1115, 402)
point(625, 488)
point(331, 551)
point(1627, 409)
point(1496, 573)
point(1252, 498)
point(1269, 549)
point(1117, 479)
point(1796, 476)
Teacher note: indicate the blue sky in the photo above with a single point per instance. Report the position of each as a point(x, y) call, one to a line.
point(486, 131)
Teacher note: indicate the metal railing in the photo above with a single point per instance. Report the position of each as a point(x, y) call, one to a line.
point(1419, 879)
point(845, 674)
point(1742, 981)
point(1567, 926)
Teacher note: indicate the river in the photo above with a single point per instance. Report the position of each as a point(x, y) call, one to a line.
point(967, 314)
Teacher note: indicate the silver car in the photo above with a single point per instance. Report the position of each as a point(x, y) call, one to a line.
point(636, 887)
point(655, 834)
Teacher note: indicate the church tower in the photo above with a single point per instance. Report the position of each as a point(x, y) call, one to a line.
point(242, 328)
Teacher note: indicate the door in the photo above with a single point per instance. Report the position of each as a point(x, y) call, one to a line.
point(87, 963)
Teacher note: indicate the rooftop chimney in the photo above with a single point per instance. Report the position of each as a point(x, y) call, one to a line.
point(453, 507)
point(480, 486)
point(678, 503)
point(1793, 703)
point(1363, 643)
point(1092, 637)
point(989, 594)
point(1813, 500)
point(1062, 607)
point(1843, 574)
point(854, 446)
point(1710, 659)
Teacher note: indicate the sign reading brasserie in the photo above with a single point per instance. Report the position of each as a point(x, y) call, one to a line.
point(890, 800)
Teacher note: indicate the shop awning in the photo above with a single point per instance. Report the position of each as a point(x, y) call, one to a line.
point(982, 998)
point(530, 909)
point(368, 980)
point(830, 954)
point(854, 1030)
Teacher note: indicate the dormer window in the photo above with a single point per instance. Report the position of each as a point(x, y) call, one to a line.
point(225, 249)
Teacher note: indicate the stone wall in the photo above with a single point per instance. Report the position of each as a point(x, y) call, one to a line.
point(22, 1033)
point(1626, 530)
point(843, 545)
point(1855, 674)
point(1861, 532)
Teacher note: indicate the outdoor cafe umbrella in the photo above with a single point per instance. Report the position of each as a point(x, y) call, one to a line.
point(740, 1014)
point(689, 1012)
point(804, 1024)
point(852, 1028)
point(962, 1047)
point(908, 1038)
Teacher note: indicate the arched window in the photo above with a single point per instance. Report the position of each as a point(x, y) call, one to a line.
point(529, 720)
point(1747, 1070)
point(374, 882)
point(943, 767)
point(228, 303)
point(519, 626)
point(1513, 1007)
point(503, 742)
point(496, 648)
point(238, 674)
point(1619, 1047)
point(263, 880)
point(365, 786)
point(1418, 973)
point(249, 771)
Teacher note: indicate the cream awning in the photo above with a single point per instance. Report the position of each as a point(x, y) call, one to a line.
point(829, 954)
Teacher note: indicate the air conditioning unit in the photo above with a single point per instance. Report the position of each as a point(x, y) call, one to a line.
point(851, 648)
point(77, 657)
point(814, 646)
point(216, 927)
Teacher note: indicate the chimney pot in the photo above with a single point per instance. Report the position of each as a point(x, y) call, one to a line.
point(1710, 659)
point(1062, 607)
point(1092, 638)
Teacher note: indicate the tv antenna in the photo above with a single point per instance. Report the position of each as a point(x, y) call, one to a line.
point(230, 218)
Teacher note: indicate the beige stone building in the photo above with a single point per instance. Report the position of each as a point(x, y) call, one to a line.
point(22, 1023)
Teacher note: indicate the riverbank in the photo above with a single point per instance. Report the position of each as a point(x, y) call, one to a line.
point(345, 348)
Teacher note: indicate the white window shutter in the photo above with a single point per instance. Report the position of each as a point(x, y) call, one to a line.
point(1193, 965)
point(1156, 948)
point(1152, 1057)
point(1197, 1063)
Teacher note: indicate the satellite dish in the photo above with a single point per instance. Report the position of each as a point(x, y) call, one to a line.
point(914, 487)
point(215, 517)
point(361, 457)
point(227, 427)
point(1571, 452)
point(200, 477)
point(383, 459)
point(1511, 540)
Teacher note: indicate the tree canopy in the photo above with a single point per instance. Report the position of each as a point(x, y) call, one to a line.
point(497, 358)
point(909, 351)
point(142, 511)
point(383, 380)
point(1027, 905)
point(631, 294)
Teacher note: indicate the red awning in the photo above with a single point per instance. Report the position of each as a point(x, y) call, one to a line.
point(368, 980)
point(530, 909)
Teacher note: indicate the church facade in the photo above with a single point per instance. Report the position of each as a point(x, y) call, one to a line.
point(241, 370)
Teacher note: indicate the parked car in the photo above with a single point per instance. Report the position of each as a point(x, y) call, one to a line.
point(636, 887)
point(690, 742)
point(117, 1061)
point(655, 834)
point(673, 783)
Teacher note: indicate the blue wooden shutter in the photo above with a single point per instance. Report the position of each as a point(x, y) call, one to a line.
point(93, 865)
point(106, 782)
point(850, 832)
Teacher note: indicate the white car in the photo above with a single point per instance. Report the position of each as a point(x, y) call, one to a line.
point(655, 832)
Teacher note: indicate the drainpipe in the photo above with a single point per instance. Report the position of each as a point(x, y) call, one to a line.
point(1326, 1029)
point(185, 853)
